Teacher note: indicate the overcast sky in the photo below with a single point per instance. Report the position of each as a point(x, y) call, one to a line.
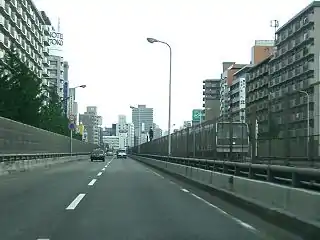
point(106, 47)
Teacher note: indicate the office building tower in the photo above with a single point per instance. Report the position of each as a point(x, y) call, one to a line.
point(145, 115)
point(92, 123)
point(23, 28)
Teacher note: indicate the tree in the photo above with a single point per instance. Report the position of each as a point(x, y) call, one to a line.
point(52, 118)
point(21, 95)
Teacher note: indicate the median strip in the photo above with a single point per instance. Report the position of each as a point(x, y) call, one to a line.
point(75, 202)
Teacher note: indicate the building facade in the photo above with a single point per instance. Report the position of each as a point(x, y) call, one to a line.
point(145, 115)
point(157, 131)
point(22, 27)
point(211, 98)
point(294, 76)
point(92, 123)
point(238, 94)
point(229, 68)
point(111, 141)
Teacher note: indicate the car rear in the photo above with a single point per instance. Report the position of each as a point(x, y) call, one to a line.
point(98, 154)
point(121, 154)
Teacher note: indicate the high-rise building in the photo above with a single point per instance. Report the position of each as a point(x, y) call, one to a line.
point(23, 28)
point(211, 98)
point(294, 74)
point(145, 115)
point(122, 131)
point(261, 50)
point(92, 123)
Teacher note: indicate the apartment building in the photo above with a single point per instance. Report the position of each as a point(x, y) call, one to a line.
point(22, 27)
point(211, 98)
point(257, 94)
point(294, 75)
point(238, 94)
point(229, 68)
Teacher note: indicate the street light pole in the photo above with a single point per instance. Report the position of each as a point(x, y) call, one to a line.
point(308, 119)
point(152, 40)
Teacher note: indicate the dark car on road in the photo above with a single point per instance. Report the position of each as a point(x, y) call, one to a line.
point(98, 154)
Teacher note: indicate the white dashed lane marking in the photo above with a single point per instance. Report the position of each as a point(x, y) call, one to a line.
point(99, 174)
point(75, 202)
point(92, 182)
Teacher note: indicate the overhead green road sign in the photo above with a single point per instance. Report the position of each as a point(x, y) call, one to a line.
point(197, 114)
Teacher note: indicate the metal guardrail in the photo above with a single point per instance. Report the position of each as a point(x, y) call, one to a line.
point(298, 177)
point(21, 157)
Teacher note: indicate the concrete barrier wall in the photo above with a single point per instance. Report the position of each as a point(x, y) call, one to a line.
point(301, 204)
point(9, 167)
point(20, 138)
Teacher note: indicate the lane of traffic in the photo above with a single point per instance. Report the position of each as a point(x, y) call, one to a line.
point(130, 202)
point(31, 200)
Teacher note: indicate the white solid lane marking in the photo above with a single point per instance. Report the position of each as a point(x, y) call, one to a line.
point(103, 169)
point(75, 202)
point(155, 173)
point(99, 174)
point(184, 190)
point(92, 182)
point(43, 238)
point(246, 225)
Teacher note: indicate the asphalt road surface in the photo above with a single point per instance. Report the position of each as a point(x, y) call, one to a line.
point(118, 199)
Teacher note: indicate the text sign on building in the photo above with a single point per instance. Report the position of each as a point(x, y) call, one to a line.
point(55, 39)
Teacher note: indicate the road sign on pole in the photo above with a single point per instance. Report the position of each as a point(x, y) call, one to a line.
point(196, 115)
point(72, 126)
point(71, 118)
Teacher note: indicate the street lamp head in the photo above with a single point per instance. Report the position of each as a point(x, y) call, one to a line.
point(83, 86)
point(152, 40)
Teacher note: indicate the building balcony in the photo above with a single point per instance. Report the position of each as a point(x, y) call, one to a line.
point(46, 51)
point(46, 41)
point(45, 62)
point(45, 72)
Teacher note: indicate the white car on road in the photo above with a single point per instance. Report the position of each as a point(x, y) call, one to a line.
point(121, 154)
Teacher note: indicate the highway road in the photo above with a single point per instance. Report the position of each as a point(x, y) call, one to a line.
point(118, 199)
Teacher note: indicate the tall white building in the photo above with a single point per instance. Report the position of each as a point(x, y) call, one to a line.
point(22, 27)
point(122, 131)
